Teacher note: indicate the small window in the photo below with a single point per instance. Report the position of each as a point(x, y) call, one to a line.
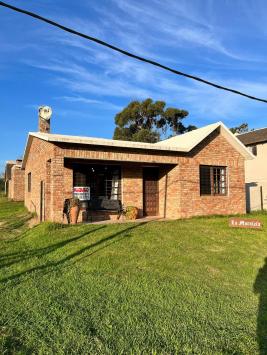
point(213, 180)
point(29, 182)
point(253, 149)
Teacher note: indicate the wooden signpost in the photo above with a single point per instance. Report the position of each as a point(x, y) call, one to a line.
point(245, 223)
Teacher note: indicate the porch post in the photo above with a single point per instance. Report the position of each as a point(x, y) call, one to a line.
point(57, 187)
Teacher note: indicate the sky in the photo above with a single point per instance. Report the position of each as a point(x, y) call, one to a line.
point(86, 84)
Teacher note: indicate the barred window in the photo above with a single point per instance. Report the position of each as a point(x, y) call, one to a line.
point(213, 180)
point(29, 182)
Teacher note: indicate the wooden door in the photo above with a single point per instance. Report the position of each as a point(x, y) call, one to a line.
point(150, 191)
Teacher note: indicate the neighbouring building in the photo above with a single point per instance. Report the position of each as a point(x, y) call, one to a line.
point(198, 173)
point(256, 169)
point(14, 180)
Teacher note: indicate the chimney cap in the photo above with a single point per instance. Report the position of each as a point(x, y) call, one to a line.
point(45, 112)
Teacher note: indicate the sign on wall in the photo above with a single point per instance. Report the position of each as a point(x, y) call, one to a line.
point(81, 192)
point(245, 223)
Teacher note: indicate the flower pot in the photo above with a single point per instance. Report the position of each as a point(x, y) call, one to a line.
point(74, 214)
point(131, 212)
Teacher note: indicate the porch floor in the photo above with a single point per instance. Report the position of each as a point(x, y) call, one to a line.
point(124, 220)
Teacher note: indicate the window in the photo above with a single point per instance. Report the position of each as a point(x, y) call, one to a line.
point(29, 182)
point(213, 180)
point(253, 149)
point(104, 180)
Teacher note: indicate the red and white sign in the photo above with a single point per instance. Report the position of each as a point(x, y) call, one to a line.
point(81, 192)
point(245, 223)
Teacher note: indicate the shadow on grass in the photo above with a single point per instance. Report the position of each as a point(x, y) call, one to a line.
point(13, 258)
point(260, 287)
point(52, 266)
point(12, 228)
point(11, 343)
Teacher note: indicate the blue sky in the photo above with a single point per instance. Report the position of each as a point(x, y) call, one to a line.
point(86, 85)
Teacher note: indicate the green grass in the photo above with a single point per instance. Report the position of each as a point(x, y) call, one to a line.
point(184, 286)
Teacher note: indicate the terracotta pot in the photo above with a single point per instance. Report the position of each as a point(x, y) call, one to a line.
point(74, 214)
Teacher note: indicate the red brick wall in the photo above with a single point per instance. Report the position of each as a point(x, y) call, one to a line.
point(132, 187)
point(214, 151)
point(16, 184)
point(119, 154)
point(37, 164)
point(170, 192)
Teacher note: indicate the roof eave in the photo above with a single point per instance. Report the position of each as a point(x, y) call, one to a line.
point(26, 151)
point(238, 144)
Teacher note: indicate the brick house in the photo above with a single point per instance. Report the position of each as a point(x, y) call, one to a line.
point(197, 173)
point(14, 180)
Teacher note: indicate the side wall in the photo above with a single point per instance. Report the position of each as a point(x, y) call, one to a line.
point(215, 150)
point(40, 157)
point(16, 184)
point(256, 179)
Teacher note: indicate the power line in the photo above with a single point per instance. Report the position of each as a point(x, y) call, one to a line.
point(129, 54)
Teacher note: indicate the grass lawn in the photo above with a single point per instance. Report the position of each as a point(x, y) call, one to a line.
point(185, 286)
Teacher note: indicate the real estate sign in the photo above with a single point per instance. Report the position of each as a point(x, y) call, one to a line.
point(245, 223)
point(81, 192)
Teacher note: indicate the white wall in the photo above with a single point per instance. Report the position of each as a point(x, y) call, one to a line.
point(256, 179)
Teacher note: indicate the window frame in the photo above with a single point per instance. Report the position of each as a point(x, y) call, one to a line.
point(217, 186)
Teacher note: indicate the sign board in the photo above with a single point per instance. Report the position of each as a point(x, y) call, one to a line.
point(81, 192)
point(245, 223)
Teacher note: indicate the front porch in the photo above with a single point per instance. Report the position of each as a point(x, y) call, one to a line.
point(125, 220)
point(141, 185)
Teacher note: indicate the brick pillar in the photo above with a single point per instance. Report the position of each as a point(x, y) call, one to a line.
point(132, 187)
point(57, 187)
point(173, 193)
point(68, 181)
point(163, 181)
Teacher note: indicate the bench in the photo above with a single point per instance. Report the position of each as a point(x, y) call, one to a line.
point(105, 205)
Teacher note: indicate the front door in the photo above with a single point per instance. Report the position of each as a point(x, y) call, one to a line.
point(150, 191)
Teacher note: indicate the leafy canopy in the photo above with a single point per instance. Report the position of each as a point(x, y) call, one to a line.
point(243, 128)
point(146, 121)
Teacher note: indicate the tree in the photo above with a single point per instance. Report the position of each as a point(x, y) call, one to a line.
point(243, 128)
point(146, 121)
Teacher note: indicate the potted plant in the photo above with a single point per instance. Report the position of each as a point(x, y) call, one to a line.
point(74, 204)
point(131, 212)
